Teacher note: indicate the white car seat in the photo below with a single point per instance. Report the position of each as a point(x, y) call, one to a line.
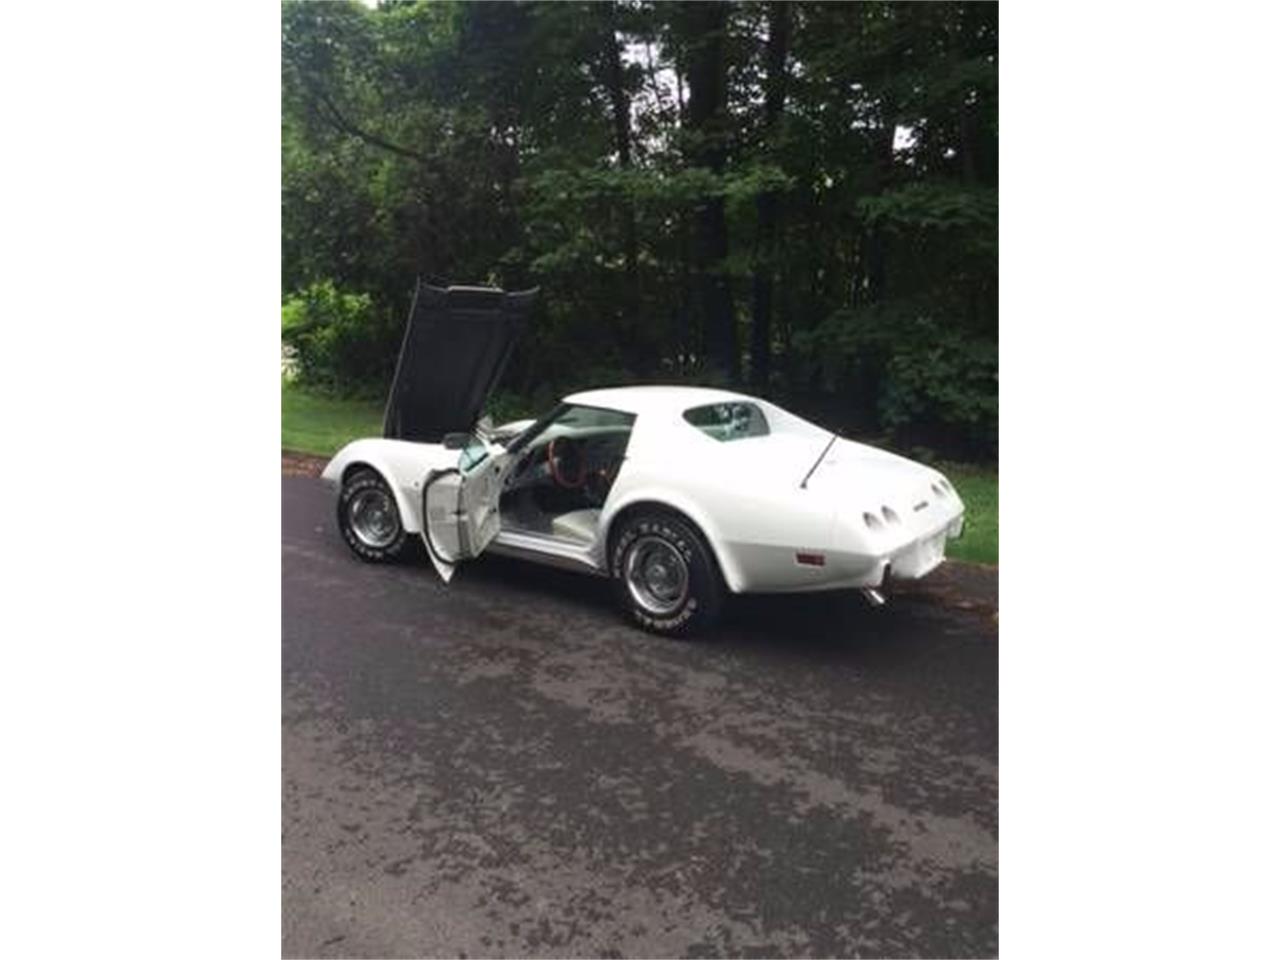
point(578, 525)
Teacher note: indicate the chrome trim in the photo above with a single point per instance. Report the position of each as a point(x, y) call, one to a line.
point(549, 551)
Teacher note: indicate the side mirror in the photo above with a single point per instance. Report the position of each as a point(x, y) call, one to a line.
point(456, 441)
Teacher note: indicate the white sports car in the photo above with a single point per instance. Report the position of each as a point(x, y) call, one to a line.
point(679, 494)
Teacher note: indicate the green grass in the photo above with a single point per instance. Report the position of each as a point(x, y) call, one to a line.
point(310, 423)
point(321, 425)
point(980, 490)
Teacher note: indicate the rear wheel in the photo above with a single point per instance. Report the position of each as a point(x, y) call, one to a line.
point(665, 576)
point(369, 519)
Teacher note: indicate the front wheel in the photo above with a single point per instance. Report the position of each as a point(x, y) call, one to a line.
point(665, 576)
point(369, 519)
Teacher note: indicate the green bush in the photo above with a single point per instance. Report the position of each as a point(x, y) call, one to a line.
point(948, 381)
point(337, 339)
point(927, 380)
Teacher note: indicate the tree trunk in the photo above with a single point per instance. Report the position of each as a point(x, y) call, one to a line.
point(639, 349)
point(767, 203)
point(882, 179)
point(707, 96)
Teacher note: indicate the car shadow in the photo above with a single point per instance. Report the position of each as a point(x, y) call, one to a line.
point(817, 626)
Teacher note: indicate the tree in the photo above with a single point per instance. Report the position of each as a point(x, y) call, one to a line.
point(768, 201)
point(613, 79)
point(709, 126)
point(825, 171)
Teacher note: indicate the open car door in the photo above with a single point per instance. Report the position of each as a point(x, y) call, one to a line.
point(460, 506)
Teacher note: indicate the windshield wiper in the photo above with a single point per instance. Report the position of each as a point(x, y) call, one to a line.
point(805, 482)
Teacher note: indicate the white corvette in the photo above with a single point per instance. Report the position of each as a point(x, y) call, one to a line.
point(679, 494)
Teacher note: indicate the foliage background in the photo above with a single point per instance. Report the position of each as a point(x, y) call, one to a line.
point(800, 198)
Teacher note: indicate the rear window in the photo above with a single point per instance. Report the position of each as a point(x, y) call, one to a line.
point(729, 421)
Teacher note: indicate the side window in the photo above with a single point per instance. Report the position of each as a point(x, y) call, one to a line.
point(592, 436)
point(572, 461)
point(732, 420)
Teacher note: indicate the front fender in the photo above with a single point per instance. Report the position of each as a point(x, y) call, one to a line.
point(402, 464)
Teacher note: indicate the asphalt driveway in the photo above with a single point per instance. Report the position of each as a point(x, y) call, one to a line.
point(504, 767)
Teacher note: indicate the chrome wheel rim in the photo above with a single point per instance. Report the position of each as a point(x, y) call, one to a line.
point(657, 576)
point(373, 519)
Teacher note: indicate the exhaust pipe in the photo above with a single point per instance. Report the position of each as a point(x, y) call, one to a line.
point(874, 596)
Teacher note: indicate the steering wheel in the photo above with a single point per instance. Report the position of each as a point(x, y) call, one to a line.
point(565, 460)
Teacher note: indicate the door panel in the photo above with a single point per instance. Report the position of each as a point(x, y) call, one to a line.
point(440, 527)
point(479, 504)
point(460, 508)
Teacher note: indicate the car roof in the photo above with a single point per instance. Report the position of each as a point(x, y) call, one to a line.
point(653, 398)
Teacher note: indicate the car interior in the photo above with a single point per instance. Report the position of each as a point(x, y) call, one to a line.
point(565, 466)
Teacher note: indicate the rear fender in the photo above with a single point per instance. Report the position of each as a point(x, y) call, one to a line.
point(674, 500)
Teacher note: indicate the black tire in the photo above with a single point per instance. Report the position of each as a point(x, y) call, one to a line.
point(360, 488)
point(694, 608)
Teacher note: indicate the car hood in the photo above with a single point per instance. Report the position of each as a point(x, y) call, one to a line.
point(456, 344)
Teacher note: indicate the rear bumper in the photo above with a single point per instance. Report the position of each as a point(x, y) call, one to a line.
point(908, 561)
point(923, 554)
point(770, 569)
